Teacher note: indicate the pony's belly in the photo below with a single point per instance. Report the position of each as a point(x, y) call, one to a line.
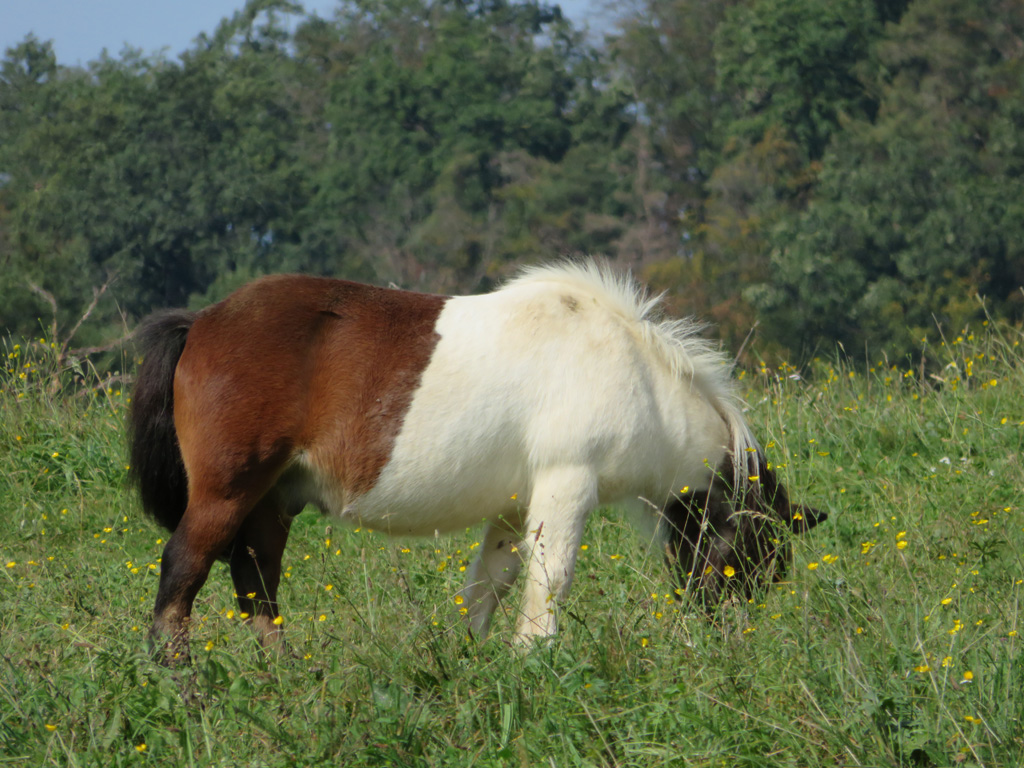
point(421, 518)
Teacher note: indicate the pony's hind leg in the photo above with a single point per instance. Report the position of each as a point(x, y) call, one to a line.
point(256, 566)
point(491, 574)
point(205, 532)
point(561, 500)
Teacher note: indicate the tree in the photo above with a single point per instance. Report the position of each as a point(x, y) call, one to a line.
point(919, 209)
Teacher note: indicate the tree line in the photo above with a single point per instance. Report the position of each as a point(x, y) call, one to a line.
point(848, 172)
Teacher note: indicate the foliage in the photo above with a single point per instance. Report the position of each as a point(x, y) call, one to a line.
point(895, 640)
point(848, 172)
point(918, 210)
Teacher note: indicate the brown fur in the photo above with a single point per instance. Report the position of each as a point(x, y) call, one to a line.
point(256, 386)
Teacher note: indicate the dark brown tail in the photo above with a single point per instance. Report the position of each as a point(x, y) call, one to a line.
point(156, 466)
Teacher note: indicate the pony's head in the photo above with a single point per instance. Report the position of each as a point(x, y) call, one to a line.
point(722, 542)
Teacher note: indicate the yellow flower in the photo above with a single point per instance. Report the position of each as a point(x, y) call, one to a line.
point(921, 668)
point(209, 645)
point(140, 748)
point(901, 545)
point(459, 600)
point(50, 727)
point(812, 566)
point(729, 571)
point(279, 621)
point(968, 675)
point(644, 642)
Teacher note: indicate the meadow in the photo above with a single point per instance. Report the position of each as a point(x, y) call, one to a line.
point(894, 642)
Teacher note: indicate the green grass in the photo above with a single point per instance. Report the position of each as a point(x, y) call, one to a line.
point(896, 642)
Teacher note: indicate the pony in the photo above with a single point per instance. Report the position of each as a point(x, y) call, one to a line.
point(522, 409)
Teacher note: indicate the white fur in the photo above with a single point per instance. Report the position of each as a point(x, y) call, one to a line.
point(558, 393)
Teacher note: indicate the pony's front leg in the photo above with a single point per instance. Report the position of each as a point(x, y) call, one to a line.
point(561, 500)
point(491, 575)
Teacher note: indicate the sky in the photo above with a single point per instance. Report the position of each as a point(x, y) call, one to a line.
point(81, 29)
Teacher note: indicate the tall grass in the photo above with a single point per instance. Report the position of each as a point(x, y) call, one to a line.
point(895, 642)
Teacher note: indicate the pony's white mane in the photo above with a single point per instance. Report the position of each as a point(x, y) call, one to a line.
point(677, 341)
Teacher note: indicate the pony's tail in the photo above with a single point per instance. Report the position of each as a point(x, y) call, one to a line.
point(156, 466)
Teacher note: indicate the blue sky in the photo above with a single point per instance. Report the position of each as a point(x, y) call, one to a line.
point(81, 29)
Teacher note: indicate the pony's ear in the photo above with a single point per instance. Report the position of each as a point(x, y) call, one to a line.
point(804, 518)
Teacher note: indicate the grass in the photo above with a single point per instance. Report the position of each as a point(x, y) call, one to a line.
point(896, 641)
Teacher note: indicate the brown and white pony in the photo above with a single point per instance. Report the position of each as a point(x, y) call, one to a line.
point(522, 409)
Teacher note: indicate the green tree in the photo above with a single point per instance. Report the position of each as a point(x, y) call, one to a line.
point(446, 120)
point(919, 209)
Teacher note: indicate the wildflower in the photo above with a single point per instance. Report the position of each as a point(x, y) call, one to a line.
point(921, 668)
point(644, 642)
point(812, 566)
point(50, 727)
point(329, 587)
point(140, 748)
point(968, 676)
point(209, 645)
point(459, 600)
point(278, 621)
point(729, 571)
point(901, 545)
